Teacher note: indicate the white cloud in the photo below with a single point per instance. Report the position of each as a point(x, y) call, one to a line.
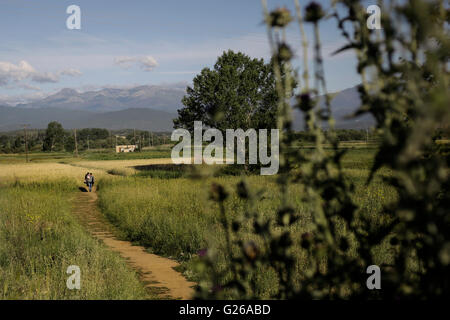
point(146, 63)
point(45, 77)
point(10, 72)
point(71, 72)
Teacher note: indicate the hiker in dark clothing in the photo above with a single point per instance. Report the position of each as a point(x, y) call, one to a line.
point(86, 178)
point(90, 181)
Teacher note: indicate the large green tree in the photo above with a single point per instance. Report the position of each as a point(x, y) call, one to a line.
point(239, 92)
point(54, 137)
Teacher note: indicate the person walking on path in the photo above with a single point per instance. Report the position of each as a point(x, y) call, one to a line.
point(90, 181)
point(86, 179)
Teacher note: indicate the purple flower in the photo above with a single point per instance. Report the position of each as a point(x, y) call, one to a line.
point(202, 252)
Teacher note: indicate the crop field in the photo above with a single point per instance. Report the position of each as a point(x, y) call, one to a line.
point(40, 239)
point(174, 216)
point(150, 203)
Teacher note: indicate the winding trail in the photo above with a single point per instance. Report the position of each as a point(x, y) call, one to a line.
point(156, 272)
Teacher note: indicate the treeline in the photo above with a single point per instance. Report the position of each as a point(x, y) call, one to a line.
point(57, 139)
point(342, 135)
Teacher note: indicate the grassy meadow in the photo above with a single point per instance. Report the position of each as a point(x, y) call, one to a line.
point(172, 215)
point(152, 203)
point(40, 238)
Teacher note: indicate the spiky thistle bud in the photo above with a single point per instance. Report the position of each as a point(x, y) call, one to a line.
point(280, 17)
point(314, 12)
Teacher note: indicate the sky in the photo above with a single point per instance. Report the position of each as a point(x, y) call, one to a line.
point(128, 43)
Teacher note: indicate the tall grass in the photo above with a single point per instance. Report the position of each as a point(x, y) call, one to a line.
point(166, 215)
point(40, 238)
point(174, 217)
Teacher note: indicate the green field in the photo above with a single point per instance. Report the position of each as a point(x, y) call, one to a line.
point(157, 205)
point(40, 238)
point(173, 215)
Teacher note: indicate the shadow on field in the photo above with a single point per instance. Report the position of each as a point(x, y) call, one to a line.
point(82, 189)
point(163, 171)
point(174, 171)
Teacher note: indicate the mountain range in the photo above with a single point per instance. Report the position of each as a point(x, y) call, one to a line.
point(343, 105)
point(161, 98)
point(141, 107)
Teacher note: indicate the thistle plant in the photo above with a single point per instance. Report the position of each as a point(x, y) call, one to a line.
point(404, 86)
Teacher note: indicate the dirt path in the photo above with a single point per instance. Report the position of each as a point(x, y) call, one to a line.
point(156, 272)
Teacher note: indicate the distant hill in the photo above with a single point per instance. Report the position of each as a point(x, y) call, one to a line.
point(138, 118)
point(12, 118)
point(143, 107)
point(163, 98)
point(344, 103)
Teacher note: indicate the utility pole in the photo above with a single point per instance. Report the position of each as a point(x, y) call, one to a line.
point(134, 139)
point(76, 143)
point(26, 141)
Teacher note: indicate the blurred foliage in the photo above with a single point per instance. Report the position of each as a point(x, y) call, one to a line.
point(403, 68)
